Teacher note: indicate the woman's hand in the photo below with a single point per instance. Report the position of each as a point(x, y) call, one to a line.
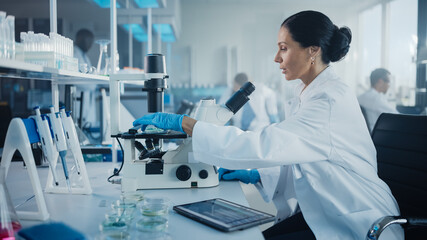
point(246, 176)
point(167, 121)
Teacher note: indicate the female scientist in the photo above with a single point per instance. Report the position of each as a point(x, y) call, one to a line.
point(319, 165)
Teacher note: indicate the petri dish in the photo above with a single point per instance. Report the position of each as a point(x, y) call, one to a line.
point(114, 216)
point(156, 200)
point(151, 129)
point(152, 224)
point(132, 196)
point(113, 226)
point(114, 236)
point(155, 206)
point(154, 209)
point(124, 207)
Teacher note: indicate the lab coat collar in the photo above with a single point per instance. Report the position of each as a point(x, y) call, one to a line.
point(324, 76)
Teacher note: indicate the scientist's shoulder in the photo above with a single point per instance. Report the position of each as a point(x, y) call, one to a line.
point(335, 89)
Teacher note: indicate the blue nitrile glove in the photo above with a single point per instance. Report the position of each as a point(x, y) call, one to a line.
point(246, 176)
point(161, 120)
point(50, 231)
point(222, 171)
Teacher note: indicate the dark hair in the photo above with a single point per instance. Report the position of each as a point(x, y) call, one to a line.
point(311, 28)
point(84, 33)
point(377, 74)
point(241, 78)
point(84, 39)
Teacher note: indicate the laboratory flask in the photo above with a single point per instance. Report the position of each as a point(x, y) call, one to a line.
point(103, 60)
point(9, 223)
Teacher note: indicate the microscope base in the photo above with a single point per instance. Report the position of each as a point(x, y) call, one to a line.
point(158, 175)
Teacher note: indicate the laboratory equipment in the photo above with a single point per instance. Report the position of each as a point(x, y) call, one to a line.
point(155, 211)
point(73, 147)
point(223, 215)
point(124, 207)
point(7, 36)
point(103, 57)
point(21, 133)
point(59, 139)
point(152, 168)
point(10, 38)
point(155, 206)
point(2, 34)
point(53, 51)
point(9, 222)
point(134, 196)
point(152, 223)
point(49, 150)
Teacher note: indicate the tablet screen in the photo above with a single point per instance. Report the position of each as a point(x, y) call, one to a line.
point(224, 215)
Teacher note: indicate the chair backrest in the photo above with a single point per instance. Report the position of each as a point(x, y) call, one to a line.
point(401, 143)
point(366, 118)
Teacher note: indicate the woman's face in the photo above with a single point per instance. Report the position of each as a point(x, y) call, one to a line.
point(294, 60)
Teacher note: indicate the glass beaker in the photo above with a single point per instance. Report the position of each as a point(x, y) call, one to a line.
point(9, 223)
point(103, 60)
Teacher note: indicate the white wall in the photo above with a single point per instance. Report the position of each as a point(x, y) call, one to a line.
point(209, 27)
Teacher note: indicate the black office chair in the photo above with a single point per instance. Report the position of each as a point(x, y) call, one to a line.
point(401, 143)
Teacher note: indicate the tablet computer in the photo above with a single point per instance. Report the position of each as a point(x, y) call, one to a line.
point(223, 215)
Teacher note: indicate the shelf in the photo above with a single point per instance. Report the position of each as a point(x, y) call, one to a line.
point(17, 69)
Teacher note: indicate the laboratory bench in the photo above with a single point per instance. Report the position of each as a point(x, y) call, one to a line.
point(85, 213)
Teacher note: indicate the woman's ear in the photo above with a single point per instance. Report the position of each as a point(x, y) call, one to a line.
point(314, 51)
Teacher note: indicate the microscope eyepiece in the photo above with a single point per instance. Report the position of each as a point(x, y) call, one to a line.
point(240, 97)
point(154, 63)
point(248, 88)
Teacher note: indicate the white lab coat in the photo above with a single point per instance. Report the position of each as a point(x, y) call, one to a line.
point(262, 101)
point(89, 92)
point(374, 104)
point(320, 161)
point(82, 57)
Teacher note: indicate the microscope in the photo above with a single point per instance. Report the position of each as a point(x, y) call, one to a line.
point(148, 167)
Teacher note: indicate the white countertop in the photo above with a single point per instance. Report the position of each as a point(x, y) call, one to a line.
point(85, 212)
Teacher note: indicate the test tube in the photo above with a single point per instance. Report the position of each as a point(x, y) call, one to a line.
point(31, 41)
point(10, 22)
point(2, 34)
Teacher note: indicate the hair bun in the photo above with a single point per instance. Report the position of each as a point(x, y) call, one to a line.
point(339, 44)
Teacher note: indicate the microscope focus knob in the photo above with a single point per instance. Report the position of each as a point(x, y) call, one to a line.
point(183, 172)
point(203, 174)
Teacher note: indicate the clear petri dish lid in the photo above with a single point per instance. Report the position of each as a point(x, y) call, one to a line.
point(156, 209)
point(152, 224)
point(133, 196)
point(157, 200)
point(115, 216)
point(122, 203)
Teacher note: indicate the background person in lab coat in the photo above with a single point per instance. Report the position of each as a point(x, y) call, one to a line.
point(318, 165)
point(258, 113)
point(374, 101)
point(83, 42)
